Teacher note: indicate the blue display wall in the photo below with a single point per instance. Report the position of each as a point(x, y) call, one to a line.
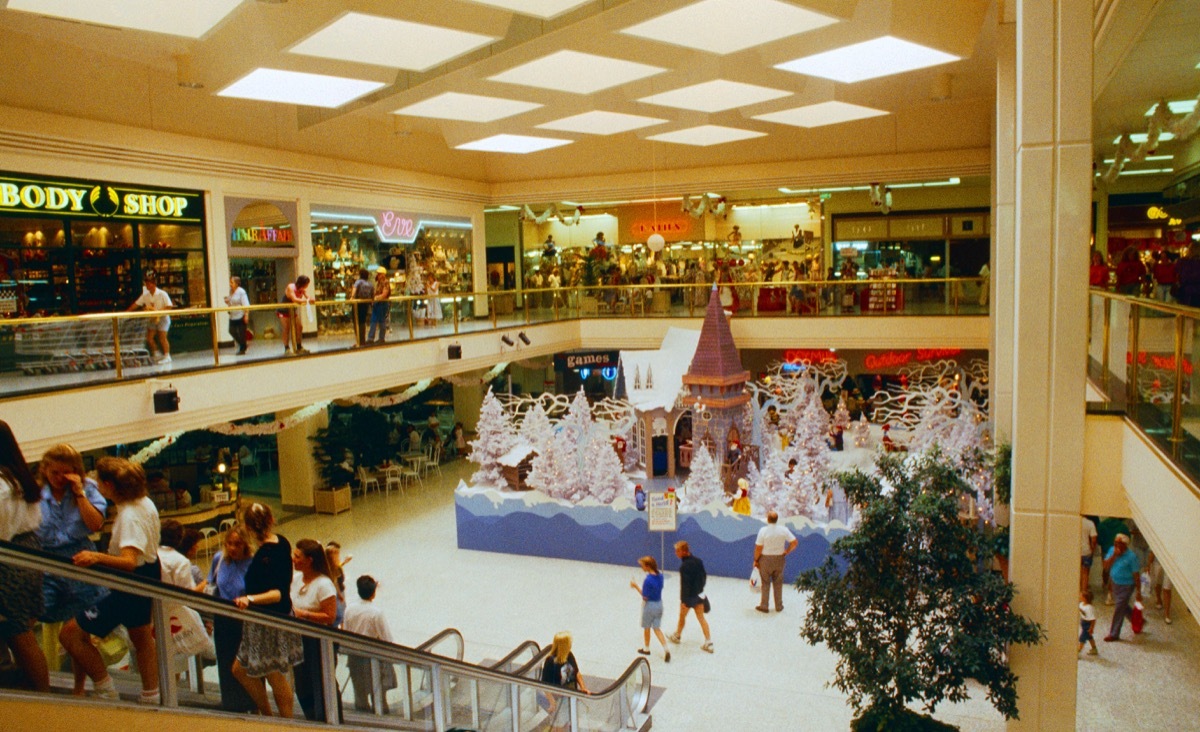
point(533, 524)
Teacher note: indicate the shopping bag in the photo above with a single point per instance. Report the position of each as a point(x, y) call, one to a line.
point(311, 311)
point(187, 632)
point(1137, 618)
point(755, 579)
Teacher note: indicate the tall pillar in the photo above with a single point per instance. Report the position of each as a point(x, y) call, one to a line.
point(298, 474)
point(1052, 224)
point(1003, 276)
point(468, 400)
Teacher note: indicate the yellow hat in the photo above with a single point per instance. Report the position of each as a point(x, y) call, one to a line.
point(380, 271)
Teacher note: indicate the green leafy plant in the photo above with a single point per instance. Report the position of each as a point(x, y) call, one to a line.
point(903, 601)
point(1002, 473)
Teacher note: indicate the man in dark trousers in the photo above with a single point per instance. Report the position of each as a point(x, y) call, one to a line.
point(691, 593)
point(365, 291)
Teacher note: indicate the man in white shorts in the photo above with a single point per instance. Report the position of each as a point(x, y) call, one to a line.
point(153, 298)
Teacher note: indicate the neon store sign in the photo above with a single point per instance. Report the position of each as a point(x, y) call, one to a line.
point(263, 235)
point(894, 359)
point(393, 227)
point(1166, 363)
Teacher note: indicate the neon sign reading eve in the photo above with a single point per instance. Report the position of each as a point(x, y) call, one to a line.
point(393, 227)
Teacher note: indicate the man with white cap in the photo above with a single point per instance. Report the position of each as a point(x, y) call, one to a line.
point(1122, 565)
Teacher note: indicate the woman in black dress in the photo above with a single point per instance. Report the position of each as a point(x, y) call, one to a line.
point(267, 653)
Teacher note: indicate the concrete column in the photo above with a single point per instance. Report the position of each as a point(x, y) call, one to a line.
point(1052, 227)
point(298, 474)
point(468, 400)
point(1000, 355)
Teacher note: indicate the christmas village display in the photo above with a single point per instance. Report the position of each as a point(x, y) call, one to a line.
point(561, 477)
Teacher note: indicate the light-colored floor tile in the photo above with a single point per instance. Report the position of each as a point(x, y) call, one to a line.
point(762, 676)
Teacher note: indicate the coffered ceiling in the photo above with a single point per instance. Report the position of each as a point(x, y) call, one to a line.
point(614, 86)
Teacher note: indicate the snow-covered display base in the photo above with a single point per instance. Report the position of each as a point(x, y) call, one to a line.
point(534, 524)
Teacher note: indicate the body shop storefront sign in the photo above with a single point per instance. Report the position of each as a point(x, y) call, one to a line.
point(68, 198)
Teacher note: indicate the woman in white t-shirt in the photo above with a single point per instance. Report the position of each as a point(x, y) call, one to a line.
point(133, 547)
point(20, 589)
point(314, 598)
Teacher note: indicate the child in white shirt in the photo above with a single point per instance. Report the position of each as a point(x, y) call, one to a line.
point(1087, 622)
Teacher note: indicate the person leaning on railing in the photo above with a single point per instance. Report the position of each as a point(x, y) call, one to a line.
point(1187, 274)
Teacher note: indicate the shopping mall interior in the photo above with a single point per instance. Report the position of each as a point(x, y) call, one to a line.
point(543, 189)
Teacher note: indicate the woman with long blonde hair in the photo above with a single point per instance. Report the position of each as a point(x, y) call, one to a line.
point(562, 670)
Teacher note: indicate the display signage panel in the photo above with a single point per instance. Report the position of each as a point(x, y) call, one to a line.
point(392, 227)
point(586, 359)
point(660, 512)
point(70, 198)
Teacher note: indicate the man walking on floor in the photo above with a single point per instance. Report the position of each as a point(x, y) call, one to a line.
point(1122, 565)
point(771, 548)
point(691, 593)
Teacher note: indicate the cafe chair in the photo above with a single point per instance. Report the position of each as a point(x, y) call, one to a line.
point(206, 533)
point(366, 481)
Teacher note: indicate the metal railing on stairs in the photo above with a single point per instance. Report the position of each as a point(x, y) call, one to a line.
point(425, 688)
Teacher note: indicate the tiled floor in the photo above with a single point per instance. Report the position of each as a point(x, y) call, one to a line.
point(762, 676)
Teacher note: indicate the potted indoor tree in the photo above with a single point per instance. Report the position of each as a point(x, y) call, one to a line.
point(905, 604)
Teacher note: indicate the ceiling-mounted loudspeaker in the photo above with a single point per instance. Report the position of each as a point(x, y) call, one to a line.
point(524, 338)
point(507, 340)
point(454, 352)
point(166, 400)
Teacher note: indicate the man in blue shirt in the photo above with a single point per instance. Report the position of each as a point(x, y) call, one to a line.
point(1122, 565)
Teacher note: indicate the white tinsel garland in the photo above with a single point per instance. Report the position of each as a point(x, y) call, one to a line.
point(389, 401)
point(478, 380)
point(1160, 121)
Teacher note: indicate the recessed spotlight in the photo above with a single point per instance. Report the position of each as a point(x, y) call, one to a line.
point(579, 73)
point(883, 56)
point(517, 144)
point(705, 135)
point(726, 26)
point(295, 87)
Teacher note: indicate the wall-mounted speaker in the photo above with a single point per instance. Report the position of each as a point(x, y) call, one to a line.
point(454, 352)
point(166, 400)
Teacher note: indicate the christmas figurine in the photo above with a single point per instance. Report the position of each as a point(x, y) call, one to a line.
point(639, 497)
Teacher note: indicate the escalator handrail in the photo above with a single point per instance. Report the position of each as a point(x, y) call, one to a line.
point(26, 558)
point(524, 646)
point(643, 693)
point(438, 638)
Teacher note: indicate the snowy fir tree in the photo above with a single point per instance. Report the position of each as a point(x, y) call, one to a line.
point(703, 486)
point(841, 417)
point(603, 476)
point(810, 450)
point(862, 432)
point(536, 428)
point(554, 471)
point(494, 437)
point(773, 489)
point(577, 422)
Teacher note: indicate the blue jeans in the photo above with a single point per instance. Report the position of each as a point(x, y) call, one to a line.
point(379, 317)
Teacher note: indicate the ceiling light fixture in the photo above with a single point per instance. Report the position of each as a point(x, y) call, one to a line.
point(883, 56)
point(190, 19)
point(575, 72)
point(726, 26)
point(706, 135)
point(467, 107)
point(717, 95)
point(601, 123)
point(391, 42)
point(821, 114)
point(516, 144)
point(1140, 137)
point(545, 9)
point(295, 87)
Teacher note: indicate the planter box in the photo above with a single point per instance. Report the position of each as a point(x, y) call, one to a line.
point(333, 501)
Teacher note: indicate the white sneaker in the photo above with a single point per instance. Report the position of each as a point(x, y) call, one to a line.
point(707, 647)
point(164, 360)
point(108, 694)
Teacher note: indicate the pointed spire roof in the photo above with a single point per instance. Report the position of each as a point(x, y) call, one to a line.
point(716, 361)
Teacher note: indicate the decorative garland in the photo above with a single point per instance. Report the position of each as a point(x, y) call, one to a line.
point(527, 214)
point(716, 205)
point(154, 448)
point(389, 401)
point(1160, 121)
point(479, 380)
point(881, 197)
point(270, 428)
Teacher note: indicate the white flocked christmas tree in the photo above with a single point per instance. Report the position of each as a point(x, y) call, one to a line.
point(578, 460)
point(536, 428)
point(771, 487)
point(810, 450)
point(703, 486)
point(494, 437)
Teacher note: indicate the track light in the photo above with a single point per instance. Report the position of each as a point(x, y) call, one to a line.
point(524, 338)
point(507, 341)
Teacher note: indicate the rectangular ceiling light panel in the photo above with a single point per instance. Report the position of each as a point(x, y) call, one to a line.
point(537, 8)
point(580, 73)
point(467, 107)
point(706, 135)
point(819, 115)
point(1182, 107)
point(715, 96)
point(726, 26)
point(519, 144)
point(871, 59)
point(295, 87)
point(191, 19)
point(1140, 137)
point(601, 123)
point(399, 44)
